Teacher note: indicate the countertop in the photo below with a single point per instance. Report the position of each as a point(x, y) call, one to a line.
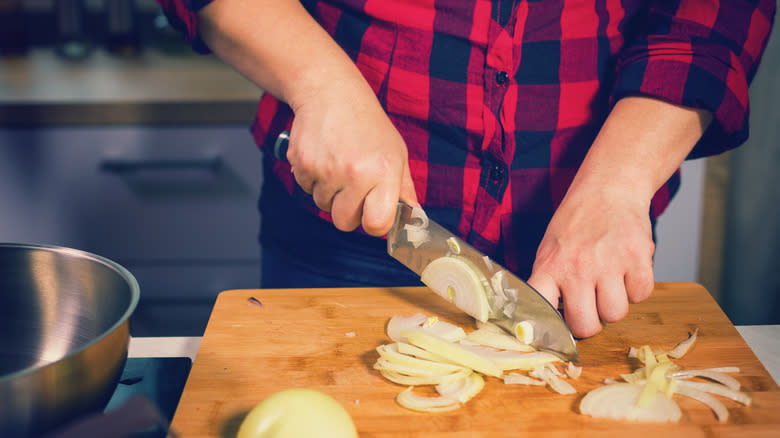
point(152, 88)
point(762, 339)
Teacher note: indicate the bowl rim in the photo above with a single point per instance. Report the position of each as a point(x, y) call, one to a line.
point(135, 293)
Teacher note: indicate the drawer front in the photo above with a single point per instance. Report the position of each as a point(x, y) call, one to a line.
point(133, 194)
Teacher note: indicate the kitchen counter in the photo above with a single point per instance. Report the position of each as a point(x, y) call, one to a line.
point(153, 88)
point(762, 339)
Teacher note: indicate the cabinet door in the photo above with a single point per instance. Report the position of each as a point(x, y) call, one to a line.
point(177, 206)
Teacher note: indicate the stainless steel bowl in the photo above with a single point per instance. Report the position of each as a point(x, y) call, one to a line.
point(64, 334)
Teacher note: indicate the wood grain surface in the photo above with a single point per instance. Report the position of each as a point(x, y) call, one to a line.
point(325, 339)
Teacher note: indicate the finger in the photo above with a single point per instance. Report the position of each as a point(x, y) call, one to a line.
point(579, 308)
point(379, 207)
point(304, 180)
point(640, 281)
point(546, 286)
point(611, 299)
point(346, 208)
point(408, 194)
point(323, 194)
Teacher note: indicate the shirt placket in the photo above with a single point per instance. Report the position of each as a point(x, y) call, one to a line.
point(494, 167)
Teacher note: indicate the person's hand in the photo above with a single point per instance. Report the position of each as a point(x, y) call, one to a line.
point(597, 256)
point(346, 153)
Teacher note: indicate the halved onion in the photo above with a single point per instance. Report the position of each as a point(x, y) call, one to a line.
point(457, 280)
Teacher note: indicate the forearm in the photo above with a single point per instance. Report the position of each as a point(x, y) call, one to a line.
point(641, 144)
point(277, 45)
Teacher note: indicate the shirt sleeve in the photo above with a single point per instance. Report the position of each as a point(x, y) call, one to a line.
point(182, 15)
point(699, 54)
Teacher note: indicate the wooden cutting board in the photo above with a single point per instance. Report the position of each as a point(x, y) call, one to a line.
point(325, 339)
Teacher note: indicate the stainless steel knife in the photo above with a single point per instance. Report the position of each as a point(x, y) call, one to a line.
point(417, 241)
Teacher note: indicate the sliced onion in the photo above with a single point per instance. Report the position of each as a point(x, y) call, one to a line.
point(415, 351)
point(463, 389)
point(453, 245)
point(391, 354)
point(513, 360)
point(683, 347)
point(719, 408)
point(724, 369)
point(618, 401)
point(488, 263)
point(497, 339)
point(548, 376)
point(399, 323)
point(454, 352)
point(707, 374)
point(521, 379)
point(715, 388)
point(573, 371)
point(410, 400)
point(403, 379)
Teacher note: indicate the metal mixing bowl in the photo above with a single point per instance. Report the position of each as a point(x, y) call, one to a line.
point(64, 334)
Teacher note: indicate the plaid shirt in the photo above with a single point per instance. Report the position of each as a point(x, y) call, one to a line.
point(500, 101)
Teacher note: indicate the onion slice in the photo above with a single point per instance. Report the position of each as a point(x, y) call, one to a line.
point(721, 378)
point(715, 388)
point(497, 339)
point(410, 400)
point(521, 379)
point(463, 389)
point(618, 401)
point(454, 352)
point(719, 408)
point(683, 347)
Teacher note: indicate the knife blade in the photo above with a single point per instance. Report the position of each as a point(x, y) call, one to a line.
point(416, 241)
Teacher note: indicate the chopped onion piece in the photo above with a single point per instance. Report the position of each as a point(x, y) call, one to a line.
point(719, 408)
point(488, 263)
point(416, 235)
point(509, 309)
point(463, 389)
point(521, 379)
point(715, 388)
point(415, 351)
point(619, 401)
point(410, 400)
point(419, 213)
point(383, 364)
point(707, 374)
point(454, 352)
point(457, 280)
point(524, 331)
point(683, 347)
point(453, 244)
point(557, 384)
point(497, 339)
point(573, 371)
point(724, 369)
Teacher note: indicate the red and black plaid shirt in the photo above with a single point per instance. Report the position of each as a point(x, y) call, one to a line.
point(499, 101)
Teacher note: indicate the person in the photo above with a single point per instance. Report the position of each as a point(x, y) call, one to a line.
point(548, 134)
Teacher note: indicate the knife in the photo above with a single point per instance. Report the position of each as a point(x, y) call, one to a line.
point(416, 241)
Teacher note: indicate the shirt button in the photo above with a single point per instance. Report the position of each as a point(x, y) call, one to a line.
point(502, 77)
point(496, 173)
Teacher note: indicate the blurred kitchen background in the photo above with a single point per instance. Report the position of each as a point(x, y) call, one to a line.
point(116, 139)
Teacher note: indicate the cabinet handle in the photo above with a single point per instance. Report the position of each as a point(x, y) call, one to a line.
point(129, 165)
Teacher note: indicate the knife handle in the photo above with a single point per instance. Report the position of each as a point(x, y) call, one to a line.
point(281, 145)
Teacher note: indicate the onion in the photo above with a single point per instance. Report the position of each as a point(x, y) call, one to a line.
point(457, 280)
point(683, 347)
point(488, 263)
point(410, 400)
point(557, 384)
point(390, 354)
point(497, 339)
point(454, 352)
point(618, 401)
point(399, 323)
point(513, 360)
point(463, 389)
point(521, 379)
point(573, 371)
point(715, 388)
point(403, 379)
point(454, 245)
point(708, 374)
point(720, 410)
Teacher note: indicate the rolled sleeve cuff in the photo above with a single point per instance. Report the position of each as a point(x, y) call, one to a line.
point(183, 17)
point(694, 74)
